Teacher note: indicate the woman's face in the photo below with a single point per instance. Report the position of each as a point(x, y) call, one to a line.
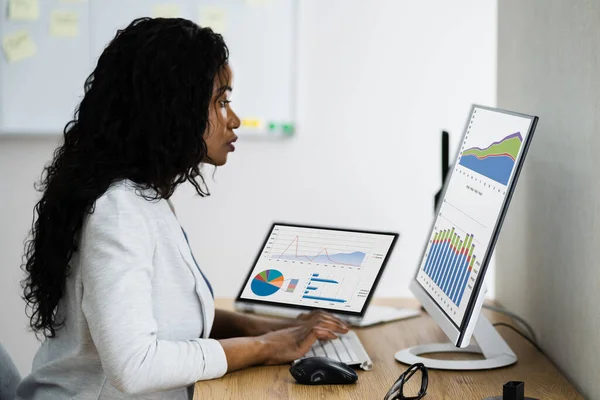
point(219, 136)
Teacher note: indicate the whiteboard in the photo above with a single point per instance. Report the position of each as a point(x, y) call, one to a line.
point(38, 95)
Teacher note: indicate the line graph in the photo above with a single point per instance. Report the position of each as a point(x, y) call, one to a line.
point(323, 256)
point(504, 147)
point(495, 161)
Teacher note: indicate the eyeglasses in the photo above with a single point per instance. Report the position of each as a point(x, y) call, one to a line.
point(396, 391)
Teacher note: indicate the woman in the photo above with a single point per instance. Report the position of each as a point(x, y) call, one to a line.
point(111, 280)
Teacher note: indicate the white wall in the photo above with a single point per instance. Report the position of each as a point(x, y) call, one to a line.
point(548, 65)
point(378, 81)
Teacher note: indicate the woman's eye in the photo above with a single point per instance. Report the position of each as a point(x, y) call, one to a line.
point(224, 103)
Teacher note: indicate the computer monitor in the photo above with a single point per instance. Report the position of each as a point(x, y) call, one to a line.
point(449, 282)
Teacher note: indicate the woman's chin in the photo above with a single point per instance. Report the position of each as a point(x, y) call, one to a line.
point(216, 161)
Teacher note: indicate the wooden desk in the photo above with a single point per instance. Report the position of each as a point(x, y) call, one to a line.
point(542, 379)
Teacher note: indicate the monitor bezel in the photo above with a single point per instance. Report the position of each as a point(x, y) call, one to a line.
point(360, 313)
point(460, 333)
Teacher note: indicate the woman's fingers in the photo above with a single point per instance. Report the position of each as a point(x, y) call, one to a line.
point(342, 327)
point(308, 338)
point(328, 318)
point(323, 333)
point(321, 316)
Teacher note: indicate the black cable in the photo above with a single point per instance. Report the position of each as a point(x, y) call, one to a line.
point(522, 335)
point(518, 320)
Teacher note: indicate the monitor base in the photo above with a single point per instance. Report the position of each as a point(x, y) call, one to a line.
point(490, 344)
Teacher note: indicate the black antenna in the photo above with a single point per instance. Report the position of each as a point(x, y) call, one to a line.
point(445, 165)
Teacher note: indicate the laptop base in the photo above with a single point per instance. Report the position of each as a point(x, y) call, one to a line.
point(375, 314)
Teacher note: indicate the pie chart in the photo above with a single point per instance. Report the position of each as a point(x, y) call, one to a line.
point(267, 282)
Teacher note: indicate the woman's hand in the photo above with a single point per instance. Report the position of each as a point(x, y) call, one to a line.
point(229, 324)
point(321, 315)
point(291, 343)
point(292, 339)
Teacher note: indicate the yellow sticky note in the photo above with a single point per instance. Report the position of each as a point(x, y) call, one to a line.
point(18, 46)
point(64, 24)
point(213, 17)
point(23, 10)
point(254, 123)
point(166, 11)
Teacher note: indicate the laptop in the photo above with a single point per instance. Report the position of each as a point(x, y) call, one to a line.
point(300, 268)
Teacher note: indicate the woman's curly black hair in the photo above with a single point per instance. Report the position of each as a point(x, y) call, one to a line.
point(142, 118)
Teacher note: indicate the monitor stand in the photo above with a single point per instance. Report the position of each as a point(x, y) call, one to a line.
point(496, 351)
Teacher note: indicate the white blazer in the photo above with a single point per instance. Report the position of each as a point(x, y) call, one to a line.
point(137, 310)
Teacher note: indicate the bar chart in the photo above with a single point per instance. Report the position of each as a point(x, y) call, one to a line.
point(313, 285)
point(450, 261)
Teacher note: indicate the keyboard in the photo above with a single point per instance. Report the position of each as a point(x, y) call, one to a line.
point(346, 348)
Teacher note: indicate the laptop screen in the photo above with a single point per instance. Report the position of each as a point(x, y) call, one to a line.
point(310, 267)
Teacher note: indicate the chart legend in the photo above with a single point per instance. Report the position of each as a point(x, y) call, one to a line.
point(292, 286)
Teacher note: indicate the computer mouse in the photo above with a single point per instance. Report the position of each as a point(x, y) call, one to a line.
point(322, 371)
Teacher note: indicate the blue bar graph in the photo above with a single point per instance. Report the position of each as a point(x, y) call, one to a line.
point(324, 299)
point(433, 252)
point(439, 254)
point(455, 285)
point(449, 263)
point(465, 279)
point(322, 280)
point(436, 253)
point(439, 268)
point(453, 269)
point(314, 284)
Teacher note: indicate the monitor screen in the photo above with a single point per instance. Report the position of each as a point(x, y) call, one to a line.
point(318, 267)
point(468, 216)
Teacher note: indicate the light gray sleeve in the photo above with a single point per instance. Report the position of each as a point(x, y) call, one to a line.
point(9, 375)
point(116, 258)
